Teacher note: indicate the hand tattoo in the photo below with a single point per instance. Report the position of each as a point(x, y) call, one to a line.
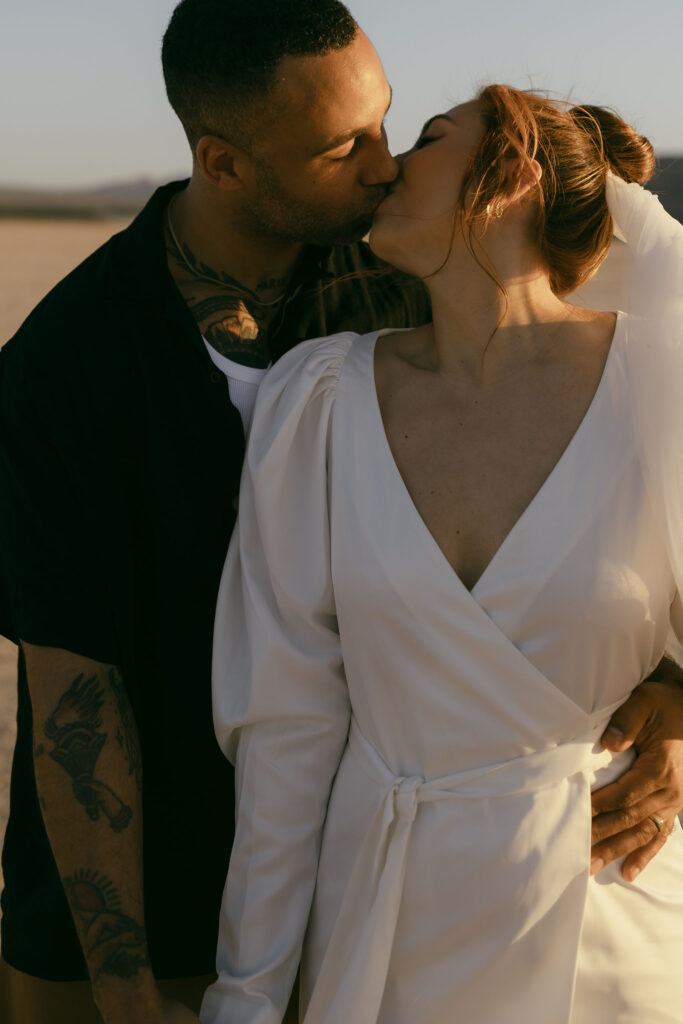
point(72, 727)
point(113, 943)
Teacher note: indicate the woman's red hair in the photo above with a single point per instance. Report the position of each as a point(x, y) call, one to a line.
point(575, 147)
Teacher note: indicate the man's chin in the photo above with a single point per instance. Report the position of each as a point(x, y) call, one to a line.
point(346, 234)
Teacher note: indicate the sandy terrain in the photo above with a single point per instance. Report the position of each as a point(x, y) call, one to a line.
point(34, 255)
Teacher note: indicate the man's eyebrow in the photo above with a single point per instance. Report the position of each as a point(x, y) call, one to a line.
point(353, 133)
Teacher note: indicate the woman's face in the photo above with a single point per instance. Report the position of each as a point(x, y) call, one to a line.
point(413, 226)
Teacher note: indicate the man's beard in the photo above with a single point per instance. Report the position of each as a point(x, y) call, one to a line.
point(281, 218)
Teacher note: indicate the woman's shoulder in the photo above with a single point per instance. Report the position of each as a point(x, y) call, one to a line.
point(317, 357)
point(301, 386)
point(312, 367)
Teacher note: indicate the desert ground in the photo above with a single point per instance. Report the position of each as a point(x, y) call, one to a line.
point(34, 255)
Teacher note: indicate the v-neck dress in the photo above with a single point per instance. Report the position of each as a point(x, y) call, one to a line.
point(415, 760)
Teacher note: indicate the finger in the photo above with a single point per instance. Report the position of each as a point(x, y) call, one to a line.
point(632, 841)
point(636, 861)
point(625, 843)
point(634, 786)
point(612, 822)
point(627, 721)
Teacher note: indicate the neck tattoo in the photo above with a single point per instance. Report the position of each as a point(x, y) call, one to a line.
point(208, 276)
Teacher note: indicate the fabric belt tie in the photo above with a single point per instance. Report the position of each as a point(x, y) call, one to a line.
point(363, 934)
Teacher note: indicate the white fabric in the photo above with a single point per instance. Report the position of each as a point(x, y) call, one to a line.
point(452, 880)
point(655, 302)
point(644, 275)
point(243, 383)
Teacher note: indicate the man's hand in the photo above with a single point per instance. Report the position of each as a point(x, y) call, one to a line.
point(652, 720)
point(177, 1013)
point(144, 1003)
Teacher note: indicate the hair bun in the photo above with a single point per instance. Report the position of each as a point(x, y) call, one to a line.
point(628, 154)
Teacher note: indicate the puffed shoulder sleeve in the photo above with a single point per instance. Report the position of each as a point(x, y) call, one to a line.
point(281, 705)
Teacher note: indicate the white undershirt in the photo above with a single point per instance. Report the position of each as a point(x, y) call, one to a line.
point(243, 383)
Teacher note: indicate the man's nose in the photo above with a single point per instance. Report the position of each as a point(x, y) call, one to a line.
point(380, 168)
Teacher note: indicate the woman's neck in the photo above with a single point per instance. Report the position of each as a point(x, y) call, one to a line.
point(477, 328)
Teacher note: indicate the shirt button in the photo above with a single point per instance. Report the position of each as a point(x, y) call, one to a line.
point(216, 377)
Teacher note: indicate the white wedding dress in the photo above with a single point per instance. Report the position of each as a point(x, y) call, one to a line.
point(414, 760)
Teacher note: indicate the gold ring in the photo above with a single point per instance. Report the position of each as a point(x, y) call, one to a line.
point(659, 822)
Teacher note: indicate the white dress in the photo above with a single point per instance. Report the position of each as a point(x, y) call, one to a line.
point(437, 778)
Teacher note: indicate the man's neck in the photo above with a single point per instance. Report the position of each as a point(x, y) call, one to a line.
point(215, 242)
point(234, 285)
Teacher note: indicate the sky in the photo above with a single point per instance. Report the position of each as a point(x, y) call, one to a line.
point(82, 100)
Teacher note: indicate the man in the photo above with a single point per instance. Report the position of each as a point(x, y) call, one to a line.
point(122, 404)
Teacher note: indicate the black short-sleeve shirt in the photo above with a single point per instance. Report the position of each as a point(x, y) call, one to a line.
point(120, 458)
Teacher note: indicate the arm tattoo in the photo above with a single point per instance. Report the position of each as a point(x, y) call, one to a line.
point(113, 943)
point(127, 734)
point(72, 727)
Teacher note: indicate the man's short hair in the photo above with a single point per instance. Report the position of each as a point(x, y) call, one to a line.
point(219, 56)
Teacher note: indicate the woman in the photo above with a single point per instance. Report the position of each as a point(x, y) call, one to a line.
point(453, 562)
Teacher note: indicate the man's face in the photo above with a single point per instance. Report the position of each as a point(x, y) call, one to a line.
point(322, 165)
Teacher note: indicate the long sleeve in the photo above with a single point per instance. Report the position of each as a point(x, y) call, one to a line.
point(281, 705)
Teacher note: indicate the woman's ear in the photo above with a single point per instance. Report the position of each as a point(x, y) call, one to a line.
point(525, 180)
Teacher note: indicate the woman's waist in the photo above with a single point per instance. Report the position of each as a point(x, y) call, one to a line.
point(475, 771)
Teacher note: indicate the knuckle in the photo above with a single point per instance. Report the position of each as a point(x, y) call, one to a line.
point(628, 818)
point(644, 832)
point(675, 784)
point(672, 776)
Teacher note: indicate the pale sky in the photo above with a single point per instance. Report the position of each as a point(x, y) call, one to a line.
point(83, 103)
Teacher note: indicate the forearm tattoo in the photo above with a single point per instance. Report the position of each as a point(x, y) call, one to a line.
point(73, 728)
point(113, 943)
point(126, 735)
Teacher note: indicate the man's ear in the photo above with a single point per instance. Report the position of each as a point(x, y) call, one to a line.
point(224, 165)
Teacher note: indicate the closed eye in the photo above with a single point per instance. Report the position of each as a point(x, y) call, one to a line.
point(424, 140)
point(356, 143)
point(349, 152)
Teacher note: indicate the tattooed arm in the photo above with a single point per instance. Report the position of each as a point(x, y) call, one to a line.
point(89, 777)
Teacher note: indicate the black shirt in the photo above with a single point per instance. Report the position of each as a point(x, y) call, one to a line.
point(120, 458)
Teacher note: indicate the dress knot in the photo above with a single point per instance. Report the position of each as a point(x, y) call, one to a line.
point(406, 795)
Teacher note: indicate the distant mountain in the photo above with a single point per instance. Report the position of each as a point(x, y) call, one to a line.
point(126, 198)
point(668, 184)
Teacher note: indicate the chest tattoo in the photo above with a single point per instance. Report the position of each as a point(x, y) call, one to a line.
point(234, 320)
